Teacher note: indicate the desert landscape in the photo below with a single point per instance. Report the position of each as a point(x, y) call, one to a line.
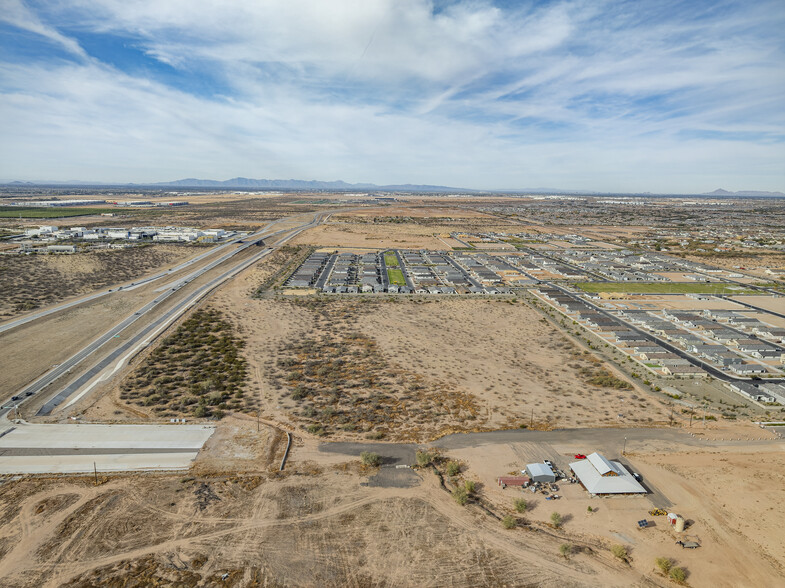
point(359, 439)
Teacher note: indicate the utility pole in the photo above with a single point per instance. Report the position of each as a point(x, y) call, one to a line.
point(624, 449)
point(95, 471)
point(671, 417)
point(531, 421)
point(692, 412)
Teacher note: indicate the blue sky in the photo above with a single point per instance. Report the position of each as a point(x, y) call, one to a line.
point(592, 94)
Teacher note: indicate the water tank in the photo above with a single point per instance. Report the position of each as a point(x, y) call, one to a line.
point(679, 525)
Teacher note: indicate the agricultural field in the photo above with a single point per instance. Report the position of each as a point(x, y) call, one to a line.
point(663, 288)
point(30, 281)
point(197, 371)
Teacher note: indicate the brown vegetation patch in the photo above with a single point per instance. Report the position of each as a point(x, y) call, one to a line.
point(27, 282)
point(340, 379)
point(197, 371)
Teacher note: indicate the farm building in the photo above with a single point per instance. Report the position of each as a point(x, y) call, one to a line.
point(540, 472)
point(602, 476)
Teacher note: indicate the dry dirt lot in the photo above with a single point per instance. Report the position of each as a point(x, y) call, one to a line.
point(416, 369)
point(28, 282)
point(402, 227)
point(733, 496)
point(307, 527)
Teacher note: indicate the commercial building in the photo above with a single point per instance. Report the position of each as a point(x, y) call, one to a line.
point(602, 476)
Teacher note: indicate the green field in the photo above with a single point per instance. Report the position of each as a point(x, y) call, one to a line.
point(390, 259)
point(663, 288)
point(57, 212)
point(396, 277)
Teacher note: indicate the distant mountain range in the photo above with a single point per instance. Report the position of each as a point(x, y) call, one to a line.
point(300, 185)
point(721, 192)
point(339, 185)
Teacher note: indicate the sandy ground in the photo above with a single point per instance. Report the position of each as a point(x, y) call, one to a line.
point(777, 304)
point(753, 264)
point(732, 496)
point(310, 526)
point(501, 354)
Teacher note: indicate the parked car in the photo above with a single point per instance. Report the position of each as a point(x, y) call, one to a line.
point(579, 456)
point(548, 462)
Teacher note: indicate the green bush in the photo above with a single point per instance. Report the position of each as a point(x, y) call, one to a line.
point(460, 495)
point(453, 468)
point(509, 522)
point(424, 458)
point(619, 551)
point(556, 519)
point(370, 459)
point(664, 563)
point(565, 549)
point(470, 486)
point(521, 505)
point(678, 575)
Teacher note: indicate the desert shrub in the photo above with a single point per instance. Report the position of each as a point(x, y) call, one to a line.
point(453, 468)
point(556, 519)
point(460, 495)
point(664, 563)
point(619, 551)
point(678, 575)
point(565, 549)
point(370, 459)
point(521, 505)
point(424, 458)
point(470, 486)
point(509, 522)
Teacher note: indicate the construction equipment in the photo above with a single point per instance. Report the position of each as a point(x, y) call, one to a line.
point(657, 512)
point(688, 544)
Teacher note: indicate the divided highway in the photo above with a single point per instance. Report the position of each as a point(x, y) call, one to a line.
point(181, 307)
point(58, 307)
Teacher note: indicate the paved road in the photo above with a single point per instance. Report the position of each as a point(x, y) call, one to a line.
point(402, 267)
point(181, 307)
point(326, 271)
point(384, 277)
point(58, 307)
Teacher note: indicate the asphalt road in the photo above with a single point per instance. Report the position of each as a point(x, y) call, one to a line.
point(91, 349)
point(58, 307)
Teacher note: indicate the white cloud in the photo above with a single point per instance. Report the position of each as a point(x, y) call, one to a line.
point(573, 95)
point(15, 13)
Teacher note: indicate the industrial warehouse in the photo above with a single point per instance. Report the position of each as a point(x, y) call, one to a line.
point(602, 477)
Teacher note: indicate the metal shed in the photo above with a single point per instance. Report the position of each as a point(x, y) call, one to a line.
point(539, 472)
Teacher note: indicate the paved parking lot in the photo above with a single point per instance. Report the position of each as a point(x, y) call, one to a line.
point(39, 449)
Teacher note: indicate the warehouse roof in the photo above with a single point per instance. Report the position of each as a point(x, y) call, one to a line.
point(615, 480)
point(539, 469)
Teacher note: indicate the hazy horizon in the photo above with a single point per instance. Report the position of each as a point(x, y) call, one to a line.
point(613, 96)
